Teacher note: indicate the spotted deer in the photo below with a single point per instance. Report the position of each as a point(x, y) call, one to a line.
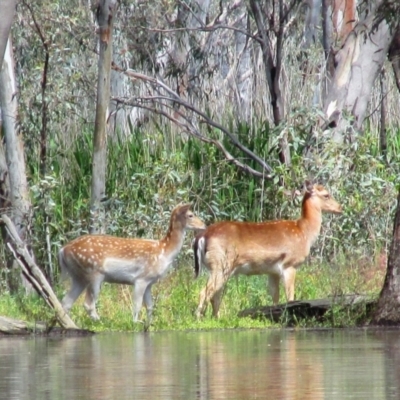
point(276, 248)
point(91, 260)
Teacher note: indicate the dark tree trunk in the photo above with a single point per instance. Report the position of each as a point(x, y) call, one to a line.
point(394, 56)
point(382, 128)
point(273, 61)
point(387, 311)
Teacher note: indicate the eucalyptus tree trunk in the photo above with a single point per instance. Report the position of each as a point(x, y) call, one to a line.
point(119, 87)
point(387, 311)
point(343, 15)
point(17, 204)
point(338, 20)
point(353, 71)
point(7, 8)
point(105, 19)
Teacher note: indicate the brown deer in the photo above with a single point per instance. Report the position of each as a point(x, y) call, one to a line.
point(91, 260)
point(275, 248)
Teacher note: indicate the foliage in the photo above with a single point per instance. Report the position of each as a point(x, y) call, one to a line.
point(145, 181)
point(152, 166)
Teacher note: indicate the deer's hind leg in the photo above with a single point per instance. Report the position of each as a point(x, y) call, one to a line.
point(77, 287)
point(216, 300)
point(214, 290)
point(92, 293)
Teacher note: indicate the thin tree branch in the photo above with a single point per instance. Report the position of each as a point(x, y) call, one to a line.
point(176, 99)
point(207, 28)
point(189, 128)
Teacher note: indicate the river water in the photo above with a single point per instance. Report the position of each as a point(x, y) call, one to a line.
point(232, 364)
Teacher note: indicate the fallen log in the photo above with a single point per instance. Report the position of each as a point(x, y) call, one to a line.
point(302, 309)
point(35, 276)
point(10, 326)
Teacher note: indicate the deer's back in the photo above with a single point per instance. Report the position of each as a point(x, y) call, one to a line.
point(110, 255)
point(255, 248)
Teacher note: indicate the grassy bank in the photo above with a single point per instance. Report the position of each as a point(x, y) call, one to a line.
point(176, 299)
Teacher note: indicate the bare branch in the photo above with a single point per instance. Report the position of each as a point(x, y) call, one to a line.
point(188, 126)
point(34, 274)
point(211, 27)
point(193, 131)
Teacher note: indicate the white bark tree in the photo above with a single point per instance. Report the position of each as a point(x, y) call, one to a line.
point(6, 18)
point(354, 69)
point(105, 18)
point(7, 8)
point(18, 204)
point(119, 87)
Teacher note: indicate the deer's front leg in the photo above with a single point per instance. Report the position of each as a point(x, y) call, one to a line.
point(289, 277)
point(148, 301)
point(139, 290)
point(273, 286)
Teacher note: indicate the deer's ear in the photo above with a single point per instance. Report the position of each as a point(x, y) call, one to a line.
point(184, 208)
point(309, 186)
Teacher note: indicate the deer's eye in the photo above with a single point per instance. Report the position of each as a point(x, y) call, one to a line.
point(327, 196)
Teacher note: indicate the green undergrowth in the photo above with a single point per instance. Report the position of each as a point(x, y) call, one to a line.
point(175, 300)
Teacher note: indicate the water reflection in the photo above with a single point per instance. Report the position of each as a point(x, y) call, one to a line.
point(204, 365)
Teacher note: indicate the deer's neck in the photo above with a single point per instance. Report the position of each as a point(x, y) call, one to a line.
point(173, 240)
point(310, 221)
